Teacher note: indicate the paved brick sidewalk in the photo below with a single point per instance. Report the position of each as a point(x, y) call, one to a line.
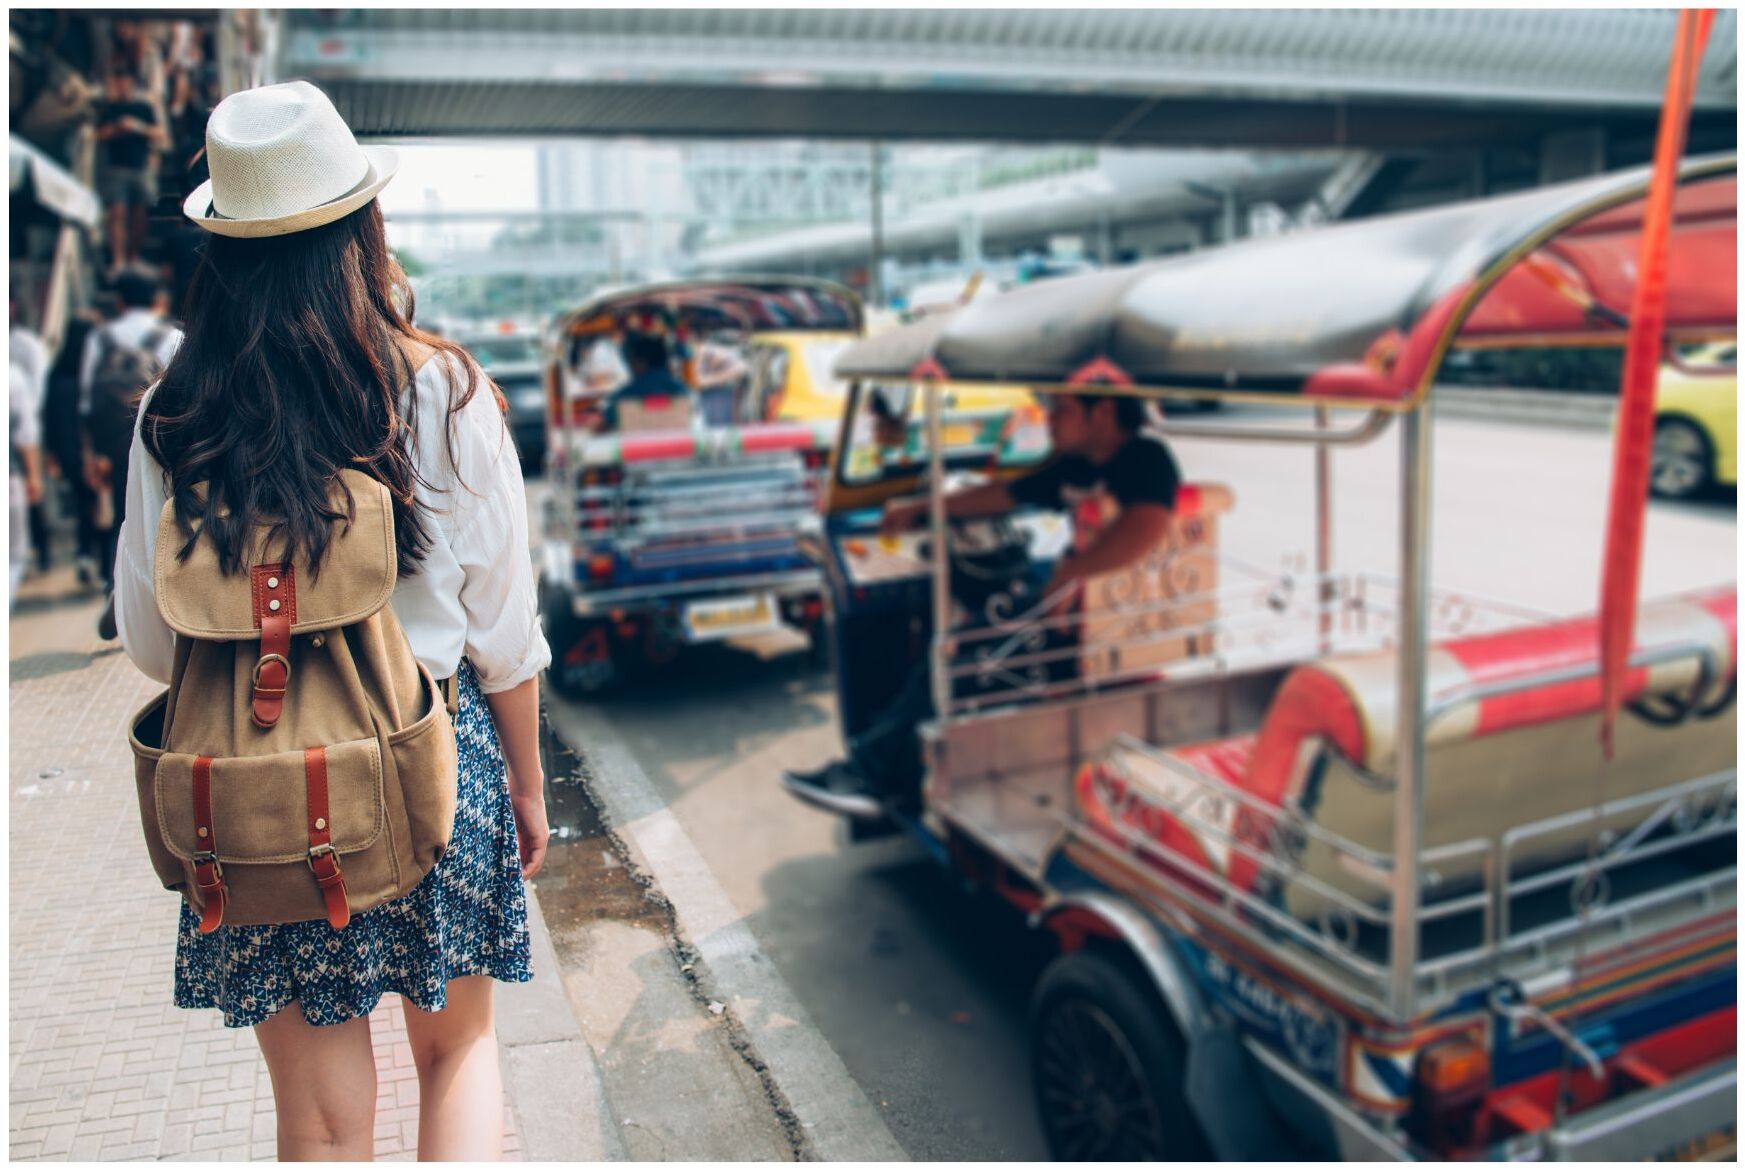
point(102, 1065)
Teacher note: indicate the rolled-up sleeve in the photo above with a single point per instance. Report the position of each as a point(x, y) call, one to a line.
point(144, 635)
point(505, 642)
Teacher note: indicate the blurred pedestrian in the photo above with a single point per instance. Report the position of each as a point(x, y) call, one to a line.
point(649, 360)
point(131, 134)
point(24, 476)
point(24, 347)
point(603, 368)
point(120, 360)
point(63, 447)
point(300, 361)
point(721, 374)
point(27, 352)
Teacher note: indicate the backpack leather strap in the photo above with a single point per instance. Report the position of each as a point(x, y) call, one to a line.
point(208, 872)
point(322, 860)
point(275, 611)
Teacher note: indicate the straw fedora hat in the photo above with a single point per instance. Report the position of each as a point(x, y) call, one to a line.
point(283, 160)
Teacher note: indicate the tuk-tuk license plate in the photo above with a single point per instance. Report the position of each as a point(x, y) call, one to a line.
point(735, 616)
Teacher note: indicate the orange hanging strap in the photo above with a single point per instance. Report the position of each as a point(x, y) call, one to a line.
point(208, 872)
point(1633, 446)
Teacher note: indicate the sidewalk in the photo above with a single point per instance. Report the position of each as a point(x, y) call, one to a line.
point(102, 1065)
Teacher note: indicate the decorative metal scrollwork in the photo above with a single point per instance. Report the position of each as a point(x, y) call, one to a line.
point(1339, 926)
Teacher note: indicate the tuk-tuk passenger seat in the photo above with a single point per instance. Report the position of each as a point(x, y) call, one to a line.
point(1326, 746)
point(645, 415)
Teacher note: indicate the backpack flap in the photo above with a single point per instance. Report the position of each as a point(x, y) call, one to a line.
point(248, 798)
point(277, 599)
point(357, 575)
point(214, 813)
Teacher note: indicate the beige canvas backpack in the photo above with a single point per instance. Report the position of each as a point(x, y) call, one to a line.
point(302, 763)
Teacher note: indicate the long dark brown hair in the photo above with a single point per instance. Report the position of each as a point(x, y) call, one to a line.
point(292, 369)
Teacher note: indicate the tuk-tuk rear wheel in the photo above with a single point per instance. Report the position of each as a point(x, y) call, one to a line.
point(1107, 1065)
point(582, 662)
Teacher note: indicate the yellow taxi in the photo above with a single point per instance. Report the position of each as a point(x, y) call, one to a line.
point(793, 380)
point(1696, 443)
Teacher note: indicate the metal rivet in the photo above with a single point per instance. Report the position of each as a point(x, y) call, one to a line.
point(272, 581)
point(321, 825)
point(318, 640)
point(202, 833)
point(273, 605)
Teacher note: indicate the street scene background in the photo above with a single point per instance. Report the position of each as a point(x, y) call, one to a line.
point(721, 973)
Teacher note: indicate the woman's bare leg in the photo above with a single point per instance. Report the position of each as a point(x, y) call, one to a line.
point(324, 1086)
point(460, 1088)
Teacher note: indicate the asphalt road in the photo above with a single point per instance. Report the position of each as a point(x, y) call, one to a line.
point(923, 993)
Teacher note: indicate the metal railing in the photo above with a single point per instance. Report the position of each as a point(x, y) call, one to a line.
point(1343, 941)
point(1260, 617)
point(707, 507)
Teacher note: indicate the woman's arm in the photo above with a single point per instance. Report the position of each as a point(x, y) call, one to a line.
point(504, 641)
point(144, 634)
point(986, 499)
point(516, 713)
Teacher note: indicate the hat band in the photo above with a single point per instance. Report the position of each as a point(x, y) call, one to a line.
point(212, 211)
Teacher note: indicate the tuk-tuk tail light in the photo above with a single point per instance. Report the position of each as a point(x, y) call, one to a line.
point(1450, 1083)
point(602, 476)
point(1453, 1074)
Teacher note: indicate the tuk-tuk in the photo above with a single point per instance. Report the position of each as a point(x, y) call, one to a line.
point(1330, 859)
point(677, 526)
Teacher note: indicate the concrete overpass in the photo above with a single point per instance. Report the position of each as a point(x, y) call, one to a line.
point(1371, 79)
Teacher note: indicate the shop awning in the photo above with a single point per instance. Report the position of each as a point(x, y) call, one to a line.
point(51, 185)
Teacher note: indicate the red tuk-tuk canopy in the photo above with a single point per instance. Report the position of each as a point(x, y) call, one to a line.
point(1355, 310)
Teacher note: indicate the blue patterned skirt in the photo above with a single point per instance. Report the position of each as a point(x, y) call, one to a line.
point(467, 916)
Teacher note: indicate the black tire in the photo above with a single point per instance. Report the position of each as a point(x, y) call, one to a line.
point(1108, 1065)
point(818, 645)
point(1683, 460)
point(574, 673)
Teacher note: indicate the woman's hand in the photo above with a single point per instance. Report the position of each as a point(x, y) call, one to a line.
point(531, 830)
point(516, 714)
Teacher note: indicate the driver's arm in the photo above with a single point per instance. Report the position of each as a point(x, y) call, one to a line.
point(1140, 529)
point(986, 499)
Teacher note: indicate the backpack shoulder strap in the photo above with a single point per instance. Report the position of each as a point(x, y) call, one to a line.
point(105, 343)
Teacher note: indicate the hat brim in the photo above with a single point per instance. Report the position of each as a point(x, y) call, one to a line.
point(384, 163)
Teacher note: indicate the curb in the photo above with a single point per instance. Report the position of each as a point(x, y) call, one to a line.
point(550, 1075)
point(835, 1119)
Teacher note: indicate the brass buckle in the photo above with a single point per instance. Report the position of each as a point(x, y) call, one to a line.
point(217, 868)
point(317, 851)
point(266, 657)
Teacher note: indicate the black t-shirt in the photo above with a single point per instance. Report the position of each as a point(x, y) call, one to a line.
point(1142, 471)
point(130, 150)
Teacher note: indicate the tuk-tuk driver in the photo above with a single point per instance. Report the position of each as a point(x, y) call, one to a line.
point(1118, 485)
point(651, 375)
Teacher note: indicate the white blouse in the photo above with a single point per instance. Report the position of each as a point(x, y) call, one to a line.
point(473, 593)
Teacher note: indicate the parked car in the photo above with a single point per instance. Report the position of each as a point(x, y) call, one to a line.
point(1696, 440)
